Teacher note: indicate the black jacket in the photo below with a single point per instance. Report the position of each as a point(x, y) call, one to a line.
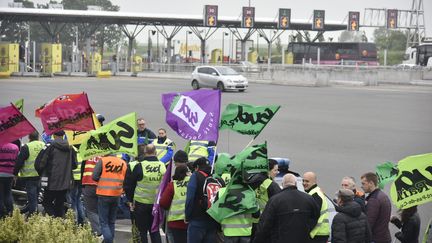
point(272, 190)
point(57, 162)
point(350, 225)
point(288, 217)
point(410, 230)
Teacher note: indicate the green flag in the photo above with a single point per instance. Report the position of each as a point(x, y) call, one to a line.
point(19, 104)
point(247, 119)
point(386, 173)
point(118, 136)
point(413, 184)
point(253, 160)
point(223, 163)
point(236, 198)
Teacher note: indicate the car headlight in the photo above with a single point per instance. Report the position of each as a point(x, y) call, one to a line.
point(229, 80)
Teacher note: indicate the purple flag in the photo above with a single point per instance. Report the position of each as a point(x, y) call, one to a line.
point(158, 214)
point(194, 115)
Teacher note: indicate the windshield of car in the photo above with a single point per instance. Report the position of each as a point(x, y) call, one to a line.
point(226, 71)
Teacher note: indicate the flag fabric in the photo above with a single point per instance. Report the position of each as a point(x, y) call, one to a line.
point(413, 184)
point(19, 104)
point(67, 112)
point(76, 137)
point(157, 212)
point(13, 124)
point(39, 110)
point(386, 173)
point(247, 119)
point(118, 136)
point(193, 115)
point(237, 198)
point(253, 160)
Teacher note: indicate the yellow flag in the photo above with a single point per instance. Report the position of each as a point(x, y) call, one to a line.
point(19, 104)
point(118, 136)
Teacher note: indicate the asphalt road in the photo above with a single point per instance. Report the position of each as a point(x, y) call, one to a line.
point(334, 131)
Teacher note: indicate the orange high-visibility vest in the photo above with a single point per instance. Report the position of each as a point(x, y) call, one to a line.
point(111, 179)
point(87, 178)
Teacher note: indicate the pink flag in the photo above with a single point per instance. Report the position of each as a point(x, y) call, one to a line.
point(13, 124)
point(67, 112)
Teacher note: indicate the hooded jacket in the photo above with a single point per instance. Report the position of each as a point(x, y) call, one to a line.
point(57, 162)
point(350, 225)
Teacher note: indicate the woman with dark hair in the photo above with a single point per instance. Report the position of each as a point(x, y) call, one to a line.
point(173, 199)
point(410, 223)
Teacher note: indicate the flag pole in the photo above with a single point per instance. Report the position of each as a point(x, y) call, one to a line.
point(251, 141)
point(214, 158)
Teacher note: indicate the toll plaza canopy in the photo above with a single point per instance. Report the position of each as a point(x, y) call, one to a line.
point(127, 18)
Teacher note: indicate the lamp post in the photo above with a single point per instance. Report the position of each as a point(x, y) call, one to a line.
point(149, 51)
point(187, 52)
point(223, 45)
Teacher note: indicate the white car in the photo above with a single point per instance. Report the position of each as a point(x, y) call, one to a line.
point(222, 78)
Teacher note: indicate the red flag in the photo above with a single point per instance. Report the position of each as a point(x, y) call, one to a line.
point(67, 112)
point(39, 110)
point(13, 124)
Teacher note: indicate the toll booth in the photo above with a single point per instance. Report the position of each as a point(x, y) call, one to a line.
point(51, 55)
point(9, 57)
point(95, 63)
point(216, 56)
point(289, 57)
point(253, 56)
point(137, 64)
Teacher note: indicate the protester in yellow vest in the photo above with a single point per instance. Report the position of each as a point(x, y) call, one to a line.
point(267, 187)
point(164, 146)
point(173, 199)
point(109, 172)
point(89, 194)
point(237, 228)
point(130, 168)
point(321, 231)
point(76, 191)
point(25, 170)
point(201, 148)
point(141, 189)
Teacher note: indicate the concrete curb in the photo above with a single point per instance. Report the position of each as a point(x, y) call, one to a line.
point(348, 83)
point(421, 83)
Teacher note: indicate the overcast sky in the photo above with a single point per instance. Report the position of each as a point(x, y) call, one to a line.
point(335, 10)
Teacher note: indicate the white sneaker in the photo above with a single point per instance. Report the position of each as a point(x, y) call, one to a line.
point(100, 238)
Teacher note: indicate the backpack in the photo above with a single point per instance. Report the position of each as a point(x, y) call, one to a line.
point(210, 189)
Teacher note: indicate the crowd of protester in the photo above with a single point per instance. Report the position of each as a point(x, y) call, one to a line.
point(95, 189)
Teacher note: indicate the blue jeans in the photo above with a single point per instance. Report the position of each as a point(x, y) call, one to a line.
point(201, 232)
point(107, 210)
point(32, 189)
point(76, 203)
point(90, 204)
point(6, 200)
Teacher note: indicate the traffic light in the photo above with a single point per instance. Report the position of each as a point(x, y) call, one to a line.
point(353, 21)
point(284, 18)
point(210, 15)
point(318, 20)
point(248, 20)
point(392, 18)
